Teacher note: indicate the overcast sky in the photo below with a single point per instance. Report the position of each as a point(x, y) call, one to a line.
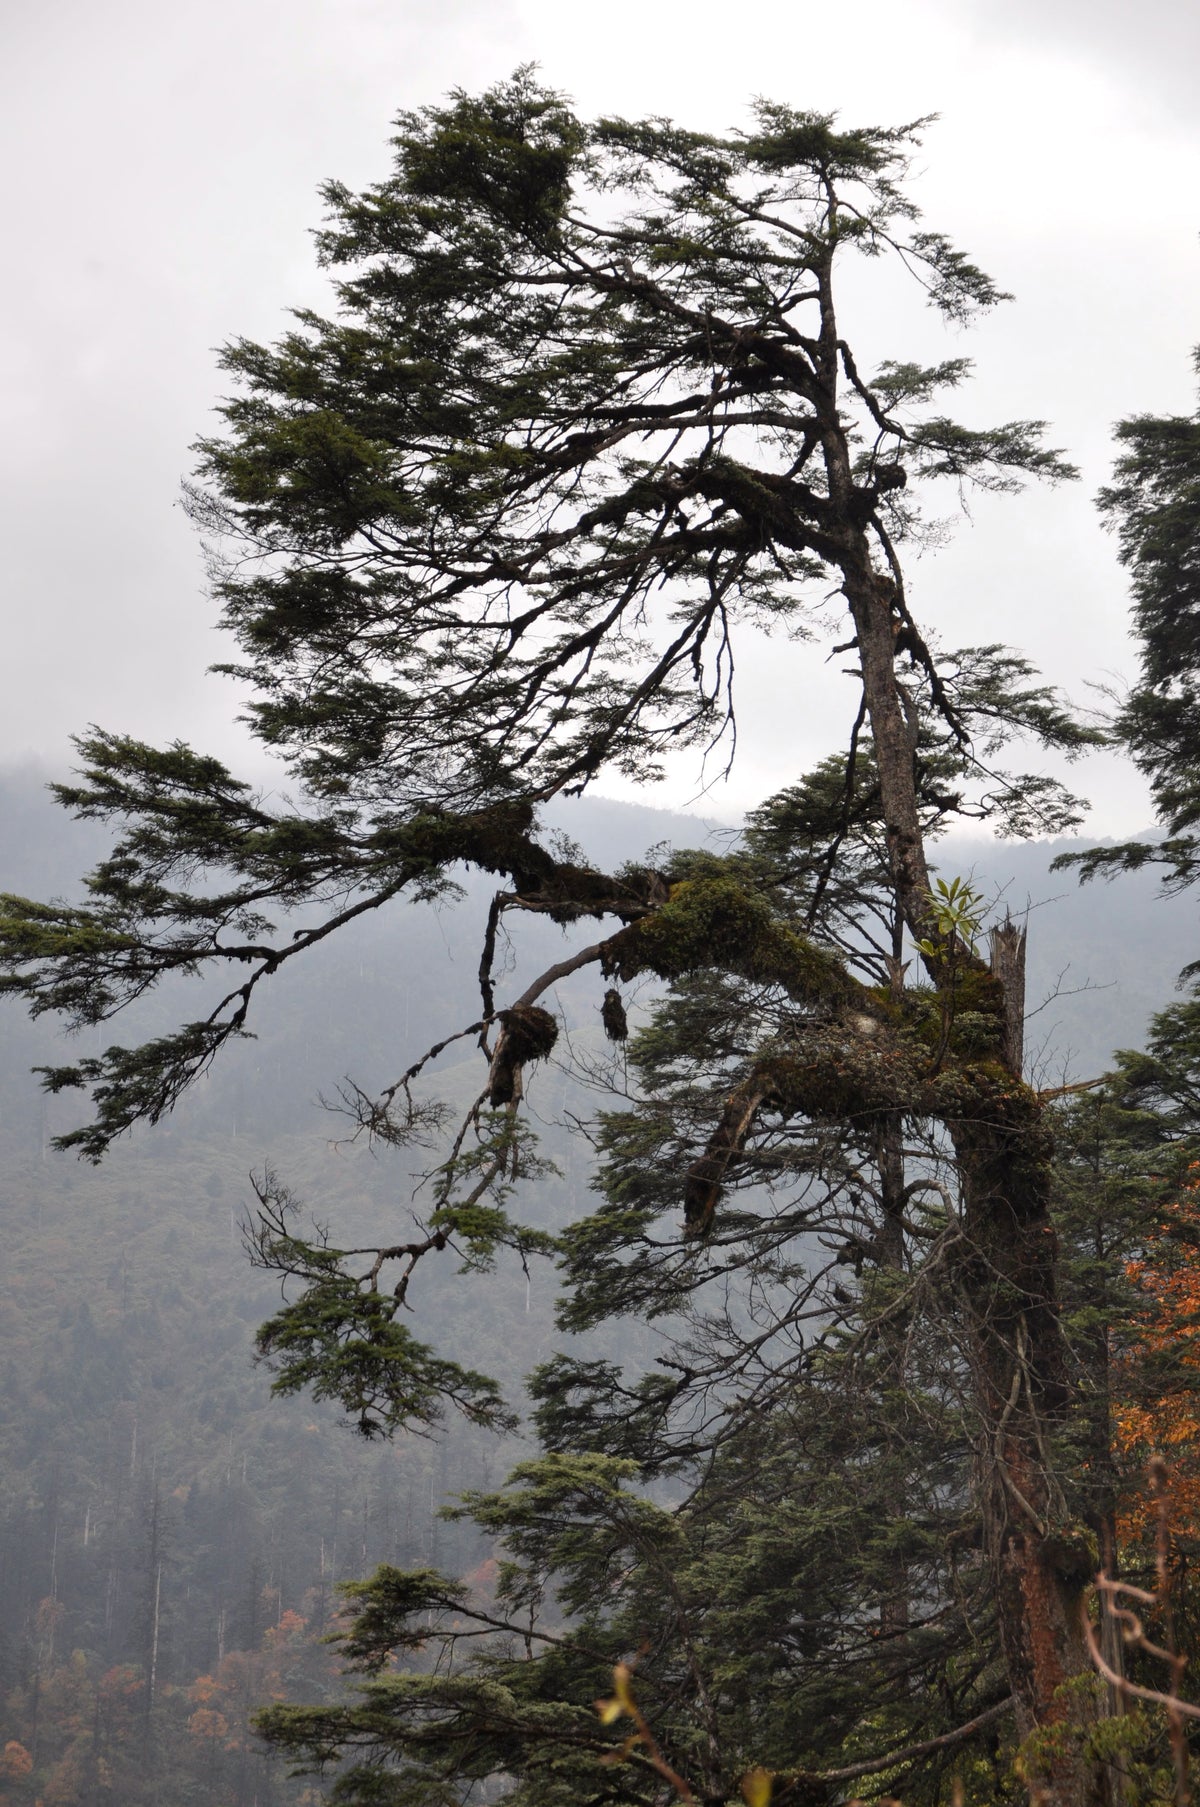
point(162, 162)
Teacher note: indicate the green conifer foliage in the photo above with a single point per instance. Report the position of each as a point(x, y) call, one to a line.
point(582, 419)
point(1153, 503)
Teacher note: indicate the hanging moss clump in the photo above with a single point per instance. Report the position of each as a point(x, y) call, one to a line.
point(527, 1033)
point(612, 1015)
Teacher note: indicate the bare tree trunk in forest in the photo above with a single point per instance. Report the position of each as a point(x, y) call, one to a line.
point(894, 1607)
point(152, 1678)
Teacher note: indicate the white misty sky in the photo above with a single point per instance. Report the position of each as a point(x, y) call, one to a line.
point(163, 161)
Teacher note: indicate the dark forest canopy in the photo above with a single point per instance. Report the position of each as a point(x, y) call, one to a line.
point(584, 418)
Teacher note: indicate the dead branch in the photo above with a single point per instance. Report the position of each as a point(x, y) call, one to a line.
point(1133, 1635)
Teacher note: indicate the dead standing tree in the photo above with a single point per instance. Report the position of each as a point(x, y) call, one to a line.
point(586, 416)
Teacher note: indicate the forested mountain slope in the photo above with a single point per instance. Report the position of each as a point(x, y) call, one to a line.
point(170, 1535)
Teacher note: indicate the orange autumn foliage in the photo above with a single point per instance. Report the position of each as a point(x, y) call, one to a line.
point(204, 1723)
point(1162, 1416)
point(15, 1760)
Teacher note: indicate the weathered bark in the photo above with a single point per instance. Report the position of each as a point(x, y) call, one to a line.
point(1040, 1563)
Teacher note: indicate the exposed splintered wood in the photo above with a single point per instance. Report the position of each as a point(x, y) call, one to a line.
point(1008, 967)
point(705, 1177)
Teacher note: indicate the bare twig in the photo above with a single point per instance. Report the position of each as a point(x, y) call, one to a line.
point(1133, 1636)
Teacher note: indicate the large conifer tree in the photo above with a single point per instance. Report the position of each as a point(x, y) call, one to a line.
point(1153, 505)
point(585, 417)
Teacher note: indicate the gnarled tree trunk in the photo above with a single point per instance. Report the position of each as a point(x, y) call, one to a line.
point(1008, 1275)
